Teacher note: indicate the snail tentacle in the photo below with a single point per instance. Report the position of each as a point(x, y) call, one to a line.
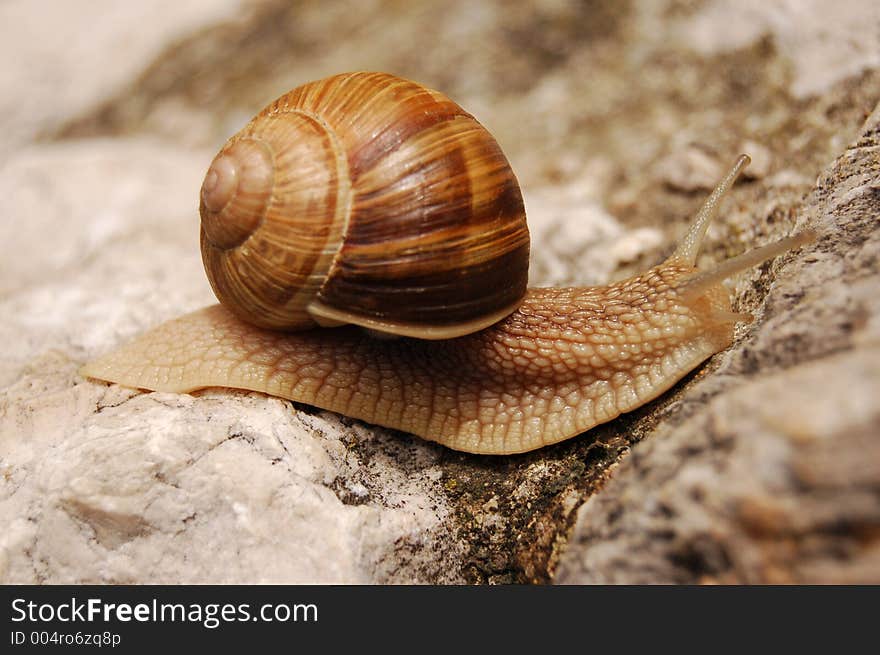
point(689, 246)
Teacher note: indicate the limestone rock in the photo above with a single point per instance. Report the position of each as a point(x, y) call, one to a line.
point(103, 485)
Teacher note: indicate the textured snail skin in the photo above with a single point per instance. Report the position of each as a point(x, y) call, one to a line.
point(565, 361)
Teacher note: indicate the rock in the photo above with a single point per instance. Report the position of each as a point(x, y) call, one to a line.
point(774, 475)
point(823, 41)
point(745, 492)
point(762, 160)
point(64, 213)
point(575, 241)
point(689, 170)
point(60, 67)
point(103, 485)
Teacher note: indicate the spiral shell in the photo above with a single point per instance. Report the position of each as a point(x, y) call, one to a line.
point(368, 199)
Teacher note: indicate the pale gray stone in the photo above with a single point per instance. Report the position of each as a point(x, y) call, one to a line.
point(63, 59)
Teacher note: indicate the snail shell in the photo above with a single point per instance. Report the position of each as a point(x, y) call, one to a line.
point(367, 199)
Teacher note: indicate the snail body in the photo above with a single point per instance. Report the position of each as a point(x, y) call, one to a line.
point(507, 370)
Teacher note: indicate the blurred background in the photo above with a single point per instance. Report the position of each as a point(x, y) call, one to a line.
point(616, 115)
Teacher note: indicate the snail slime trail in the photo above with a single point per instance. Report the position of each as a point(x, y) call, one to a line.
point(367, 201)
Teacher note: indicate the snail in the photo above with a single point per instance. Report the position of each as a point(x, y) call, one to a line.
point(367, 241)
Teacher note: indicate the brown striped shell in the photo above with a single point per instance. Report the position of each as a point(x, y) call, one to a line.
point(368, 199)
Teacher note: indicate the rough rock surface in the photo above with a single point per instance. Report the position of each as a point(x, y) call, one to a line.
point(774, 476)
point(760, 466)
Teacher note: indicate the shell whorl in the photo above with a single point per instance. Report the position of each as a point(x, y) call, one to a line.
point(367, 199)
point(235, 193)
point(289, 206)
